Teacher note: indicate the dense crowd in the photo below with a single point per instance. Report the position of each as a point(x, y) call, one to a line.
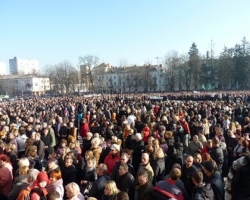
point(184, 146)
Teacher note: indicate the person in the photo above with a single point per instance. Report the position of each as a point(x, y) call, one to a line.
point(88, 176)
point(186, 176)
point(145, 165)
point(52, 164)
point(53, 195)
point(110, 191)
point(56, 182)
point(137, 151)
point(32, 177)
point(195, 146)
point(21, 181)
point(122, 196)
point(112, 158)
point(40, 146)
point(145, 187)
point(96, 149)
point(47, 140)
point(125, 181)
point(214, 179)
point(167, 188)
point(97, 189)
point(68, 171)
point(158, 165)
point(124, 160)
point(201, 190)
point(6, 177)
point(73, 192)
point(84, 129)
point(216, 153)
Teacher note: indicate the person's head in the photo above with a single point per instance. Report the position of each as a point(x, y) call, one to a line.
point(72, 189)
point(124, 158)
point(42, 180)
point(63, 143)
point(68, 161)
point(144, 159)
point(189, 161)
point(168, 134)
point(55, 175)
point(4, 160)
point(142, 177)
point(156, 143)
point(195, 138)
point(215, 142)
point(101, 169)
point(138, 136)
point(175, 174)
point(89, 135)
point(197, 158)
point(32, 175)
point(91, 162)
point(149, 149)
point(95, 142)
point(123, 169)
point(53, 195)
point(150, 140)
point(37, 136)
point(114, 149)
point(206, 157)
point(122, 196)
point(88, 154)
point(197, 177)
point(208, 168)
point(158, 154)
point(110, 188)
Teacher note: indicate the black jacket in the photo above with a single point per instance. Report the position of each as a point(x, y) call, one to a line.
point(216, 154)
point(125, 183)
point(137, 153)
point(130, 142)
point(69, 175)
point(217, 185)
point(115, 172)
point(97, 189)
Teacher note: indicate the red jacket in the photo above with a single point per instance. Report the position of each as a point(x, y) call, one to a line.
point(185, 127)
point(6, 179)
point(145, 133)
point(84, 129)
point(111, 162)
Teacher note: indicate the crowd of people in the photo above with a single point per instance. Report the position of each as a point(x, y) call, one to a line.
point(126, 147)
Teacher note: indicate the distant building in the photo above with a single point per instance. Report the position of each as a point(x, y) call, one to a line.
point(23, 66)
point(146, 78)
point(21, 85)
point(3, 70)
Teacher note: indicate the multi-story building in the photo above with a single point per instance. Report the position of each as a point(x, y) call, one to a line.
point(147, 78)
point(17, 85)
point(3, 70)
point(23, 66)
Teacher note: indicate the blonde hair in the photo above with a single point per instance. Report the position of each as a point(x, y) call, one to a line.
point(95, 141)
point(10, 146)
point(158, 153)
point(73, 188)
point(23, 162)
point(111, 185)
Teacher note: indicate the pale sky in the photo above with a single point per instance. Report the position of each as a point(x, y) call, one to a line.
point(52, 31)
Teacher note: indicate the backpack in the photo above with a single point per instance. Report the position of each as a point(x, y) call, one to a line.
point(206, 192)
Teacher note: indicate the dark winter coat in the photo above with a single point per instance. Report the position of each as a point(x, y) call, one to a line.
point(97, 189)
point(159, 169)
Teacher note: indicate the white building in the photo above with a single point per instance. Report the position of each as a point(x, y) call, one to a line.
point(147, 78)
point(3, 70)
point(17, 85)
point(23, 66)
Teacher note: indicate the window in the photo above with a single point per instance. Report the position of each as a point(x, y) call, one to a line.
point(36, 84)
point(114, 77)
point(114, 83)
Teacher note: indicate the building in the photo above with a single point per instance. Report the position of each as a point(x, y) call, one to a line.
point(3, 70)
point(146, 78)
point(21, 85)
point(23, 66)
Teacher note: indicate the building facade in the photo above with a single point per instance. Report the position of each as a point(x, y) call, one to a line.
point(23, 66)
point(147, 78)
point(21, 85)
point(3, 69)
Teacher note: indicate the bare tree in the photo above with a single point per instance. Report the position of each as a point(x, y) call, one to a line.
point(88, 62)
